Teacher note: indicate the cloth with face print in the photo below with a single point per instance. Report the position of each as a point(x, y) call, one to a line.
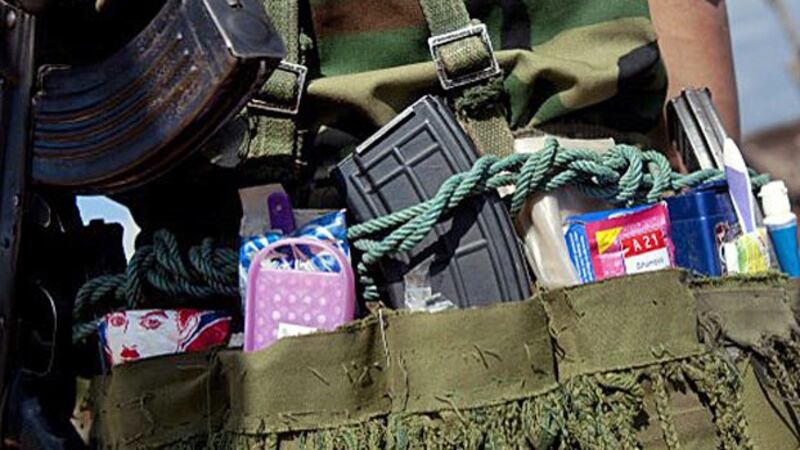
point(133, 335)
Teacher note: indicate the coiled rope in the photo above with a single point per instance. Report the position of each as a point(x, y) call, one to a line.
point(158, 271)
point(624, 176)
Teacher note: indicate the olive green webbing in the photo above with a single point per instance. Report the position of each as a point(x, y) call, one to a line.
point(284, 15)
point(444, 16)
point(273, 134)
point(480, 108)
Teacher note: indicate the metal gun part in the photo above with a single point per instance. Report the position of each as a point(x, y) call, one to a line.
point(112, 125)
point(696, 129)
point(17, 39)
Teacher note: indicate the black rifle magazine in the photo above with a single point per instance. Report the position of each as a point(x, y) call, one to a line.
point(472, 257)
point(120, 122)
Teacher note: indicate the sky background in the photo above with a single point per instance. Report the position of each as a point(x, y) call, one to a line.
point(768, 95)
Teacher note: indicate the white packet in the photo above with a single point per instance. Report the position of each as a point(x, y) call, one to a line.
point(540, 222)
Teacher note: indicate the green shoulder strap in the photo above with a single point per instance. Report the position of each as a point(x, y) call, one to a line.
point(273, 113)
point(469, 73)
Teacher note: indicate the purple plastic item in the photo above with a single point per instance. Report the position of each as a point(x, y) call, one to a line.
point(288, 302)
point(281, 215)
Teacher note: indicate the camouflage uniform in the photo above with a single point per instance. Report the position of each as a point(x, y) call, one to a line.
point(592, 63)
point(585, 61)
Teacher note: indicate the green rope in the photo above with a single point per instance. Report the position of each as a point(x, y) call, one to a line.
point(480, 101)
point(662, 403)
point(158, 270)
point(624, 176)
point(781, 355)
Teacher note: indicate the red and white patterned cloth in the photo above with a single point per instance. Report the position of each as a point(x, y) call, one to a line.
point(133, 335)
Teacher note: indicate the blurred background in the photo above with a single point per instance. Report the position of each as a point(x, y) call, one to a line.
point(766, 47)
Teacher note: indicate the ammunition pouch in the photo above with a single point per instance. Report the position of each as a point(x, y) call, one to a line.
point(752, 322)
point(616, 364)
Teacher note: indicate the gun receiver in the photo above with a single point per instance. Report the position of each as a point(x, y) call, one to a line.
point(118, 123)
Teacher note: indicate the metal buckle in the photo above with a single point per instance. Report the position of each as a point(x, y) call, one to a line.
point(300, 72)
point(478, 30)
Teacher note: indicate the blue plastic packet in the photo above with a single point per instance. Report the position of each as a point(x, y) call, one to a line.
point(331, 228)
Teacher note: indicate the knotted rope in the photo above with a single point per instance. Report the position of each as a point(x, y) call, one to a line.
point(158, 270)
point(625, 175)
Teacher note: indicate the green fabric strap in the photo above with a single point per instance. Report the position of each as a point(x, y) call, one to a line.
point(480, 108)
point(275, 133)
point(285, 18)
point(444, 16)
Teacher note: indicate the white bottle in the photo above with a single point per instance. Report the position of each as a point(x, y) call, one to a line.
point(777, 208)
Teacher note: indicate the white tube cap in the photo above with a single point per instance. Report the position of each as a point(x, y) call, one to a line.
point(775, 198)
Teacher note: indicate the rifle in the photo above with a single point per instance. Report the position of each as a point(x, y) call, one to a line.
point(103, 127)
point(16, 83)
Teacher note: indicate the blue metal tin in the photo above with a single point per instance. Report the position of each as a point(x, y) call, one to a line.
point(701, 220)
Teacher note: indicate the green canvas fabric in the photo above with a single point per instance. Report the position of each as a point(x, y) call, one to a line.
point(751, 320)
point(793, 295)
point(593, 335)
point(592, 62)
point(747, 316)
point(634, 372)
point(393, 379)
point(616, 364)
point(772, 423)
point(156, 403)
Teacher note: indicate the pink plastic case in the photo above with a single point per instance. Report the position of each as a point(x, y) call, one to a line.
point(290, 302)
